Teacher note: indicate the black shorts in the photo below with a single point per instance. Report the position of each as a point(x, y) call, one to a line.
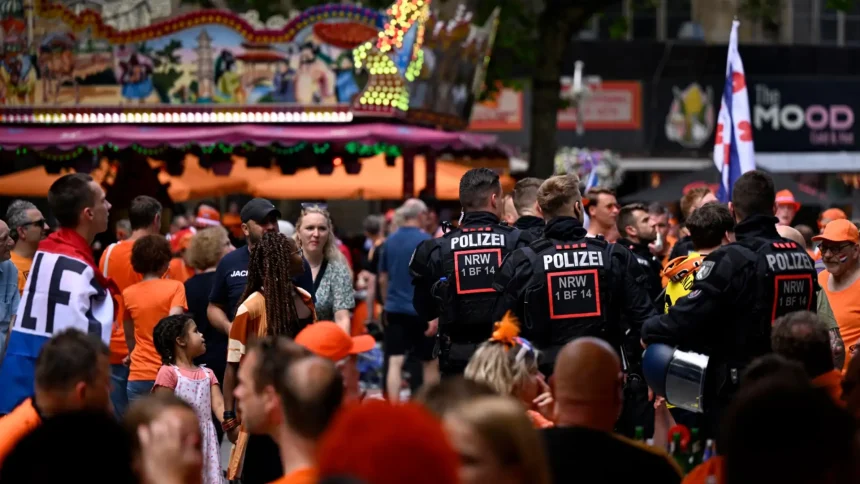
point(262, 461)
point(405, 333)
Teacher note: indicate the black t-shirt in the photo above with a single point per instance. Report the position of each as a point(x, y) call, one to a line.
point(373, 268)
point(197, 290)
point(581, 455)
point(231, 276)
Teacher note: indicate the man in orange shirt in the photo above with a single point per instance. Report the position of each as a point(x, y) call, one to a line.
point(292, 396)
point(72, 374)
point(840, 251)
point(145, 217)
point(27, 226)
point(179, 268)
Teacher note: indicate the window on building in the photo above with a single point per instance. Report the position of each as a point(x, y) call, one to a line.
point(678, 13)
point(852, 26)
point(611, 23)
point(829, 25)
point(645, 20)
point(803, 21)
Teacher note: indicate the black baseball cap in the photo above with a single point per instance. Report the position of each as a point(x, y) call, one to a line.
point(258, 210)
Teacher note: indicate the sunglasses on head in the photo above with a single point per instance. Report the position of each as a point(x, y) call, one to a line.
point(526, 349)
point(314, 206)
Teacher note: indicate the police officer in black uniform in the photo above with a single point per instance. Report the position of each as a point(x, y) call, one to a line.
point(524, 197)
point(453, 275)
point(567, 285)
point(636, 234)
point(636, 231)
point(740, 289)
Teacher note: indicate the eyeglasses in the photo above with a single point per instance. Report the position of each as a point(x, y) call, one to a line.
point(41, 223)
point(834, 248)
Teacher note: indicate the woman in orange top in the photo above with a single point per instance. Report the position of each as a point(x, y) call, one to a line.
point(272, 306)
point(145, 303)
point(509, 365)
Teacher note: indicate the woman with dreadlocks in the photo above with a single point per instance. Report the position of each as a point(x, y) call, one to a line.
point(272, 306)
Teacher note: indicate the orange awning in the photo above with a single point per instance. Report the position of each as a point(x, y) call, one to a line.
point(194, 183)
point(377, 181)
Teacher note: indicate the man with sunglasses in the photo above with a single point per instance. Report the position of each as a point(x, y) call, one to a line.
point(840, 253)
point(27, 227)
point(258, 217)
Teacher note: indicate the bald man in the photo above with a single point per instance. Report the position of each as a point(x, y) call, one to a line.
point(823, 309)
point(588, 400)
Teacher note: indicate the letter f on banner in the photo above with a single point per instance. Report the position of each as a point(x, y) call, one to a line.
point(734, 153)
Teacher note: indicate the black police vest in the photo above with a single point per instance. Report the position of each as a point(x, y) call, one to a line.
point(787, 282)
point(570, 292)
point(471, 256)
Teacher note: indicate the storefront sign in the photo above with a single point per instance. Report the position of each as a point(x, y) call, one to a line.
point(503, 112)
point(614, 106)
point(787, 115)
point(804, 115)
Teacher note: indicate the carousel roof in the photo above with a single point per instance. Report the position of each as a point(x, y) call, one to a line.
point(72, 137)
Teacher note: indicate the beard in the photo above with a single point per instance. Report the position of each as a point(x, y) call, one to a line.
point(648, 238)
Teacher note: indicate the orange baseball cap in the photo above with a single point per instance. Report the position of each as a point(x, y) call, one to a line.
point(181, 240)
point(207, 215)
point(326, 339)
point(833, 214)
point(840, 230)
point(785, 197)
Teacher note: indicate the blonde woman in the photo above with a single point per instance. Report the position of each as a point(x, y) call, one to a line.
point(496, 442)
point(335, 296)
point(206, 249)
point(508, 364)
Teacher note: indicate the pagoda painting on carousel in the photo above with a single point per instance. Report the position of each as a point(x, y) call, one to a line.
point(81, 57)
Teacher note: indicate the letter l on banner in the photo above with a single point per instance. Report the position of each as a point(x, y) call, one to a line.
point(734, 153)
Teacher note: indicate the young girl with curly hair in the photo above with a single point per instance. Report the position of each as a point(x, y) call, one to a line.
point(178, 342)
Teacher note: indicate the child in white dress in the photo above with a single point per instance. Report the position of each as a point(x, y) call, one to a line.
point(178, 342)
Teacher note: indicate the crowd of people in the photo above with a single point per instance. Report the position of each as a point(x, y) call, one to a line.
point(546, 336)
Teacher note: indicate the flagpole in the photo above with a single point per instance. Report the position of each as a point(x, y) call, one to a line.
point(734, 152)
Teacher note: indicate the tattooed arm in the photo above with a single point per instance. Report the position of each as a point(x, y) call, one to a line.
point(838, 348)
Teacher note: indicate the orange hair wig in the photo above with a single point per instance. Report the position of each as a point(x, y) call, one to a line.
point(380, 443)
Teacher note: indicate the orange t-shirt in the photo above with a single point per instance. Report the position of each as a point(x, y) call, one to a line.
point(538, 420)
point(831, 382)
point(118, 267)
point(178, 270)
point(16, 425)
point(250, 321)
point(846, 310)
point(714, 467)
point(23, 265)
point(306, 475)
point(146, 303)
